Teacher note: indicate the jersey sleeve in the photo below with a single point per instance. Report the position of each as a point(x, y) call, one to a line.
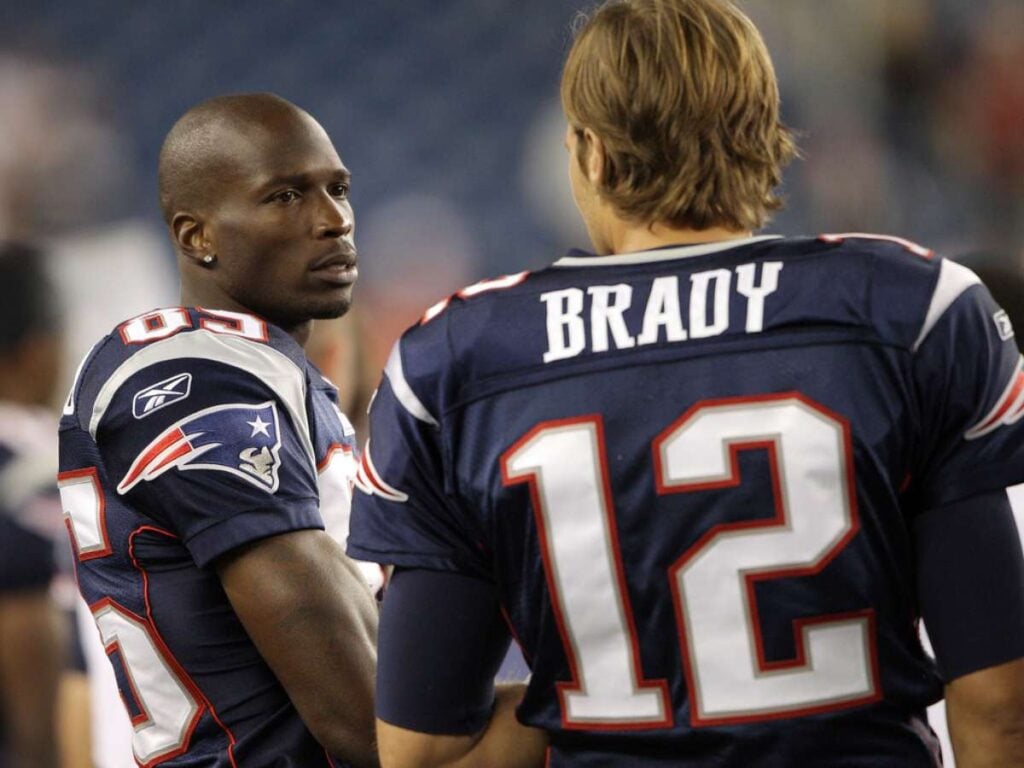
point(403, 511)
point(969, 379)
point(218, 454)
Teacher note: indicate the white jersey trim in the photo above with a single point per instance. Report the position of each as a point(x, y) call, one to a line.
point(268, 365)
point(953, 280)
point(660, 254)
point(411, 403)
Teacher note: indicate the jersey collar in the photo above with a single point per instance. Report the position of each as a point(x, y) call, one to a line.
point(578, 258)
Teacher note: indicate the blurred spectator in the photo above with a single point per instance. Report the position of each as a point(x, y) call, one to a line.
point(64, 177)
point(31, 633)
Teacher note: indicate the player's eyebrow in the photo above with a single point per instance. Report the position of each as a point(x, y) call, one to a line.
point(304, 179)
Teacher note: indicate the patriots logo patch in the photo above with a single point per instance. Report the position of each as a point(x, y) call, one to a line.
point(238, 438)
point(163, 393)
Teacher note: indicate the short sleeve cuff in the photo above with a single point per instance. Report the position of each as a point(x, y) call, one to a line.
point(252, 525)
point(430, 561)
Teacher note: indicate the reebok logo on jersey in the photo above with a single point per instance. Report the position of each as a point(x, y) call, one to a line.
point(163, 393)
point(1003, 325)
point(238, 438)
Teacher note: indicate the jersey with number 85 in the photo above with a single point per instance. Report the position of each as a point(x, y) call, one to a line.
point(190, 433)
point(691, 476)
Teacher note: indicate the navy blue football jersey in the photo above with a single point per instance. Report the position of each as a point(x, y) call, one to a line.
point(30, 518)
point(188, 433)
point(690, 474)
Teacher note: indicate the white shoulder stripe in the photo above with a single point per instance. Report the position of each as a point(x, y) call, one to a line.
point(268, 365)
point(404, 393)
point(954, 279)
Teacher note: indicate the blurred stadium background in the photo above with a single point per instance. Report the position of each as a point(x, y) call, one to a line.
point(910, 113)
point(911, 117)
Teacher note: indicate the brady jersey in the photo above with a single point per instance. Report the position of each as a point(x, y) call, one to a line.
point(691, 474)
point(189, 433)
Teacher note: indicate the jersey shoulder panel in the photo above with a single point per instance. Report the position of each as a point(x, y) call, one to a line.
point(190, 340)
point(910, 286)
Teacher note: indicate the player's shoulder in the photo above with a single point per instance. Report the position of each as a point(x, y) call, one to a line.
point(911, 286)
point(163, 353)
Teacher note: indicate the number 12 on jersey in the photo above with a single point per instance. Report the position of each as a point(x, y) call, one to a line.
point(712, 582)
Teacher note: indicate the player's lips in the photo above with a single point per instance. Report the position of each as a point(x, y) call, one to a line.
point(338, 267)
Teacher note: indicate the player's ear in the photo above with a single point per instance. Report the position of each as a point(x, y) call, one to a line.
point(190, 236)
point(594, 155)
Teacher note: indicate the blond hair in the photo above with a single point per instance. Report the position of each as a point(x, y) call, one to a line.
point(683, 95)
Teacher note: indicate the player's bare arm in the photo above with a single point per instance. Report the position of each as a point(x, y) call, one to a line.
point(985, 710)
point(305, 606)
point(503, 743)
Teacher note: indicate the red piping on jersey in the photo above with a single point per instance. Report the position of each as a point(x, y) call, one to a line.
point(102, 522)
point(484, 286)
point(914, 248)
point(233, 324)
point(332, 449)
point(178, 668)
point(152, 315)
point(162, 648)
point(1001, 408)
point(574, 685)
point(143, 716)
point(750, 580)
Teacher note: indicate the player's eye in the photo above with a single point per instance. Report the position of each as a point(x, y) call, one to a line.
point(339, 190)
point(285, 196)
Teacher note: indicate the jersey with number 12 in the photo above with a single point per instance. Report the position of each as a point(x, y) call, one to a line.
point(691, 474)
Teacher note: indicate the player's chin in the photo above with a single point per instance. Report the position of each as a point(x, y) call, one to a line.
point(330, 307)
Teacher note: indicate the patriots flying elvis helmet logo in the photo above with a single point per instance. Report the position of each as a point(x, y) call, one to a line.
point(238, 438)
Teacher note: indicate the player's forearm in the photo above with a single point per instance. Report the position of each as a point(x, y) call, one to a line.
point(503, 743)
point(314, 621)
point(985, 710)
point(336, 699)
point(988, 747)
point(506, 743)
point(340, 713)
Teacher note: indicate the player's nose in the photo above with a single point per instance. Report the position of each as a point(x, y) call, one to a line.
point(334, 218)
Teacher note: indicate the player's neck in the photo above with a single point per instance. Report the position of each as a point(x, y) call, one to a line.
point(208, 296)
point(630, 238)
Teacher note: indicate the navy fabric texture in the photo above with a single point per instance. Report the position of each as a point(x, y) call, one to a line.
point(856, 333)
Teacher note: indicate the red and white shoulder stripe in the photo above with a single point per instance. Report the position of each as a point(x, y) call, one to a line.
point(1008, 410)
point(369, 481)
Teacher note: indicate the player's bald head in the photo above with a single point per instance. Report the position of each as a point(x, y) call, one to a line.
point(209, 145)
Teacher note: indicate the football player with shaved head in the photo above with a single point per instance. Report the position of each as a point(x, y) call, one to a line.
point(205, 465)
point(709, 479)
